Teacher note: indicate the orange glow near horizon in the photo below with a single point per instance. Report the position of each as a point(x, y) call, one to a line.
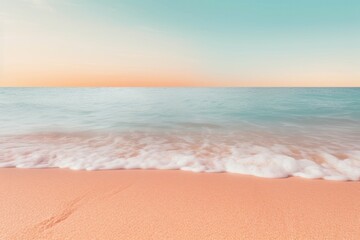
point(164, 80)
point(102, 80)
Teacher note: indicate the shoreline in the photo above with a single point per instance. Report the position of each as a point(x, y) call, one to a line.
point(172, 204)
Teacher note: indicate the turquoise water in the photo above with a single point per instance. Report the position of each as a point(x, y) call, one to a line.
point(269, 132)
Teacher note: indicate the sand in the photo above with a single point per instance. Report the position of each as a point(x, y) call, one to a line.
point(152, 204)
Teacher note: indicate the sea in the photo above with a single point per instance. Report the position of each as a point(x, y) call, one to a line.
point(266, 132)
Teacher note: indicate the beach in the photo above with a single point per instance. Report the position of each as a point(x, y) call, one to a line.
point(169, 204)
point(179, 120)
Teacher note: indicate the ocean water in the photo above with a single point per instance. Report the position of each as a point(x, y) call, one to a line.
point(265, 132)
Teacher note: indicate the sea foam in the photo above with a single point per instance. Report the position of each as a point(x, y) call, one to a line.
point(189, 152)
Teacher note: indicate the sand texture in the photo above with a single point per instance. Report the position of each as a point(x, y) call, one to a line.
point(152, 204)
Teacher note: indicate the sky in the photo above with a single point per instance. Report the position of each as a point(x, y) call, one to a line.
point(179, 43)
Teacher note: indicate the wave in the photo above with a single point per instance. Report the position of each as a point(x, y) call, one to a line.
point(245, 153)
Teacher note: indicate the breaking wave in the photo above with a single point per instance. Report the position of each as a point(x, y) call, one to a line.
point(231, 153)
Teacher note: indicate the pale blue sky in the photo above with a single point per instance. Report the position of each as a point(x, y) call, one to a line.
point(268, 40)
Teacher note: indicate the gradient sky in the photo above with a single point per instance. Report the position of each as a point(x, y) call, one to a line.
point(180, 43)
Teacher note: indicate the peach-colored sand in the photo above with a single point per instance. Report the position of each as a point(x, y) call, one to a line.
point(152, 204)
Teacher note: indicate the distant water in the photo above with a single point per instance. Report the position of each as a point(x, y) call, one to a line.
point(266, 132)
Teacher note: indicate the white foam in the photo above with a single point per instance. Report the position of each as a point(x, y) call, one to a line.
point(188, 153)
